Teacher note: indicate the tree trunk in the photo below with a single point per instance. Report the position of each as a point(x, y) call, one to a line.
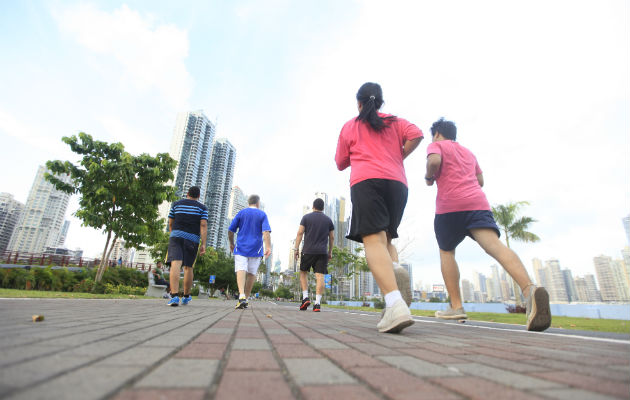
point(99, 271)
point(106, 262)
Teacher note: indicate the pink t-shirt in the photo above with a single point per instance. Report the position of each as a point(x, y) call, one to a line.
point(372, 154)
point(458, 188)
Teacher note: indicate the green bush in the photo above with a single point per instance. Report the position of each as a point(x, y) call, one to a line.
point(123, 289)
point(379, 304)
point(16, 278)
point(266, 292)
point(284, 293)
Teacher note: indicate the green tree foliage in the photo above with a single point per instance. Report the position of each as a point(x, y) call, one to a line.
point(217, 263)
point(345, 263)
point(119, 193)
point(514, 227)
point(284, 292)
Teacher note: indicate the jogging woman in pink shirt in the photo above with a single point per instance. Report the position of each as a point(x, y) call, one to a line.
point(374, 145)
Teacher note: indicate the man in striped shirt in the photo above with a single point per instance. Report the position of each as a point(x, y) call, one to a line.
point(188, 223)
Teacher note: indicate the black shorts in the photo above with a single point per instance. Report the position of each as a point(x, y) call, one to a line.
point(452, 228)
point(377, 205)
point(319, 263)
point(182, 249)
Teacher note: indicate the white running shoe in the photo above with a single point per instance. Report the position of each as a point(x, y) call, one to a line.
point(395, 318)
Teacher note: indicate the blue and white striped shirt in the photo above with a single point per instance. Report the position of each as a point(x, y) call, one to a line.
point(186, 215)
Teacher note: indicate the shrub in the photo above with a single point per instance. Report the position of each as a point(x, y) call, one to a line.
point(43, 278)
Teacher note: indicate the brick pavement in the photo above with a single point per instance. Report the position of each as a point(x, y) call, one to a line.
point(141, 349)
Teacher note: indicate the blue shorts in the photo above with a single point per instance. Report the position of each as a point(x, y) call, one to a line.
point(452, 228)
point(180, 249)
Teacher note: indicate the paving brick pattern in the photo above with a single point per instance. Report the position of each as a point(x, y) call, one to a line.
point(141, 349)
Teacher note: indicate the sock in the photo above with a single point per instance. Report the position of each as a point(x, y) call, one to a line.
point(174, 294)
point(392, 297)
point(318, 299)
point(187, 295)
point(304, 294)
point(242, 296)
point(396, 264)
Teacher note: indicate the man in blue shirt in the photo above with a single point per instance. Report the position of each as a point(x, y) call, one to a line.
point(188, 223)
point(252, 228)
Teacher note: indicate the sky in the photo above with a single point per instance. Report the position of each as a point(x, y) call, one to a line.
point(538, 91)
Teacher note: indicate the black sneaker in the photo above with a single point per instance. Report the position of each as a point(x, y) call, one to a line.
point(242, 304)
point(305, 303)
point(317, 308)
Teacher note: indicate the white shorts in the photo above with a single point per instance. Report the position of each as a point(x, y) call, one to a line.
point(247, 264)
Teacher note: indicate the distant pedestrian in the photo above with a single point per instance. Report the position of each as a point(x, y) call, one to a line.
point(158, 278)
point(463, 210)
point(252, 228)
point(319, 236)
point(188, 224)
point(374, 145)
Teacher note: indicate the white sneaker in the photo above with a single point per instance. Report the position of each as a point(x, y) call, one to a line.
point(395, 318)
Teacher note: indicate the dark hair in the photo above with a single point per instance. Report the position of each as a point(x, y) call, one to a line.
point(253, 199)
point(370, 95)
point(444, 128)
point(194, 192)
point(318, 204)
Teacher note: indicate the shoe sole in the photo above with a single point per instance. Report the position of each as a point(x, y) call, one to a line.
point(304, 306)
point(457, 316)
point(540, 315)
point(173, 305)
point(318, 310)
point(398, 325)
point(402, 281)
point(240, 306)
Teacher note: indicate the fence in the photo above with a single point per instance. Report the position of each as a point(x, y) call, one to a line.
point(61, 260)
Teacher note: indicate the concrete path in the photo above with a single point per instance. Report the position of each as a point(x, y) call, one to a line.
point(141, 349)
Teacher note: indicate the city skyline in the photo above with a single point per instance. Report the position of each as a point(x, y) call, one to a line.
point(279, 80)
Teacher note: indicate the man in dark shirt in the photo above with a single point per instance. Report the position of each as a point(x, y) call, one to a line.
point(317, 250)
point(188, 223)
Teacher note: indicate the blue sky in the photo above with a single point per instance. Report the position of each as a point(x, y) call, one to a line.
point(539, 93)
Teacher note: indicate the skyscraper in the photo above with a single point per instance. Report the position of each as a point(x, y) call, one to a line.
point(238, 201)
point(626, 226)
point(556, 287)
point(191, 147)
point(218, 192)
point(409, 268)
point(606, 278)
point(591, 288)
point(569, 284)
point(61, 240)
point(10, 213)
point(43, 216)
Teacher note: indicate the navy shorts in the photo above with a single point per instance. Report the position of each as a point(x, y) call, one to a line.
point(182, 249)
point(377, 205)
point(452, 228)
point(319, 263)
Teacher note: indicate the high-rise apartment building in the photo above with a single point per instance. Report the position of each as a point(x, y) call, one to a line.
point(540, 273)
point(556, 287)
point(409, 268)
point(569, 284)
point(468, 293)
point(61, 240)
point(43, 216)
point(238, 201)
point(626, 226)
point(218, 192)
point(606, 278)
point(591, 288)
point(192, 148)
point(10, 213)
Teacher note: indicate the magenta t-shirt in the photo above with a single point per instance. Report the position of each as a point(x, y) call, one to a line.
point(458, 188)
point(372, 154)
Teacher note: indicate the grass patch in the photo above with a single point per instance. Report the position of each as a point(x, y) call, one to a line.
point(45, 294)
point(582, 324)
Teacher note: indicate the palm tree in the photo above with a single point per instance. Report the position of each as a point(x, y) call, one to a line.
point(514, 227)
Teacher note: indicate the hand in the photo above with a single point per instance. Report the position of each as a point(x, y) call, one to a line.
point(202, 250)
point(330, 256)
point(267, 253)
point(231, 247)
point(296, 255)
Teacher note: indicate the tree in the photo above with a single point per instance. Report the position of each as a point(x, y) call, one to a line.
point(219, 264)
point(514, 227)
point(119, 193)
point(346, 264)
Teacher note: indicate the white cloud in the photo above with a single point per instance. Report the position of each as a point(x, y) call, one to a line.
point(152, 56)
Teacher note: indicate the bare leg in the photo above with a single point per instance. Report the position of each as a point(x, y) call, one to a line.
point(188, 280)
point(304, 280)
point(249, 284)
point(173, 275)
point(319, 288)
point(240, 281)
point(380, 261)
point(393, 253)
point(489, 241)
point(450, 273)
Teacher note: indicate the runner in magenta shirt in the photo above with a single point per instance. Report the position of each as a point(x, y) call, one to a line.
point(463, 210)
point(458, 186)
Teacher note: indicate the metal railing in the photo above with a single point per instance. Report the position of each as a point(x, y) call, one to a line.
point(62, 260)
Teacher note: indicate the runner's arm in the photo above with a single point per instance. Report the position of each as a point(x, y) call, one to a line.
point(298, 240)
point(410, 146)
point(331, 241)
point(480, 179)
point(433, 165)
point(170, 224)
point(267, 240)
point(203, 227)
point(231, 239)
